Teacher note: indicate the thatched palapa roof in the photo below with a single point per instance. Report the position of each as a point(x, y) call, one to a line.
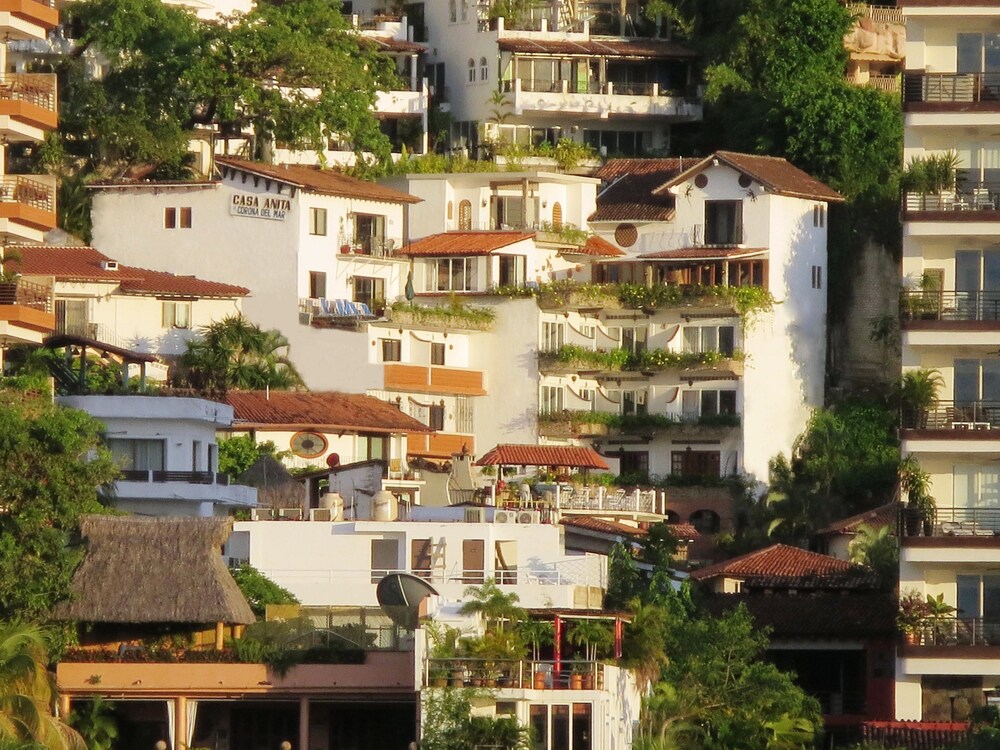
point(163, 570)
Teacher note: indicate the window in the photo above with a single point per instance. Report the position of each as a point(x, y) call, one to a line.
point(437, 354)
point(633, 462)
point(465, 216)
point(369, 234)
point(978, 53)
point(170, 218)
point(176, 314)
point(137, 454)
point(420, 557)
point(472, 70)
point(723, 222)
point(195, 455)
point(586, 394)
point(976, 380)
point(819, 215)
point(72, 317)
point(185, 217)
point(977, 284)
point(371, 448)
point(630, 338)
point(391, 350)
point(452, 275)
point(317, 284)
point(369, 290)
point(633, 402)
point(512, 270)
point(385, 558)
point(557, 216)
point(317, 221)
point(484, 69)
point(436, 420)
point(465, 10)
point(976, 486)
point(817, 277)
point(561, 726)
point(452, 11)
point(693, 464)
point(552, 336)
point(701, 339)
point(706, 403)
point(551, 399)
point(451, 210)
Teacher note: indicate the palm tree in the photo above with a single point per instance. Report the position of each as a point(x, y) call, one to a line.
point(27, 693)
point(494, 605)
point(235, 353)
point(592, 635)
point(537, 633)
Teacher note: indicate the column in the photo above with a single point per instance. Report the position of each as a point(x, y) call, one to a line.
point(220, 636)
point(303, 723)
point(180, 723)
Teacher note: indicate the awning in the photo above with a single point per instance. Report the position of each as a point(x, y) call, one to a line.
point(543, 455)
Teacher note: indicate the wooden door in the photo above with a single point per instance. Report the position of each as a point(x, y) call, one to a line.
point(473, 561)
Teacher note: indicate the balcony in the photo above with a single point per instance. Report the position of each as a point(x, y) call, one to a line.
point(194, 486)
point(602, 99)
point(581, 424)
point(930, 317)
point(443, 380)
point(439, 445)
point(28, 105)
point(951, 92)
point(27, 208)
point(28, 19)
point(404, 100)
point(971, 202)
point(25, 312)
point(963, 420)
point(514, 674)
point(369, 247)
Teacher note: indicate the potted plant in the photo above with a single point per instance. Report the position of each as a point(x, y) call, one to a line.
point(920, 507)
point(917, 392)
point(940, 618)
point(912, 615)
point(9, 258)
point(536, 633)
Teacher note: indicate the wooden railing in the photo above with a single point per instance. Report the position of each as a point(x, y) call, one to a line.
point(20, 189)
point(26, 294)
point(35, 88)
point(951, 88)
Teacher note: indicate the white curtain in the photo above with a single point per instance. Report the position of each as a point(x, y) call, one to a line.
point(170, 723)
point(192, 715)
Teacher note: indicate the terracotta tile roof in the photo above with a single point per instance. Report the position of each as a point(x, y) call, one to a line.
point(84, 264)
point(603, 526)
point(704, 253)
point(352, 412)
point(657, 49)
point(597, 247)
point(684, 531)
point(778, 175)
point(630, 196)
point(884, 515)
point(463, 243)
point(543, 455)
point(316, 180)
point(784, 566)
point(916, 735)
point(833, 615)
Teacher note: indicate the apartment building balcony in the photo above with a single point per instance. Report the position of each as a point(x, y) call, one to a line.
point(26, 312)
point(972, 202)
point(589, 424)
point(27, 208)
point(956, 421)
point(602, 99)
point(28, 19)
point(407, 101)
point(622, 364)
point(28, 105)
point(509, 675)
point(965, 93)
point(930, 317)
point(194, 486)
point(432, 379)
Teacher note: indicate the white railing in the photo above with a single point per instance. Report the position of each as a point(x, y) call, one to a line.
point(878, 13)
point(611, 500)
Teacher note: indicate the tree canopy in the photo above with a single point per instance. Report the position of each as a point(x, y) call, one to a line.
point(292, 73)
point(52, 466)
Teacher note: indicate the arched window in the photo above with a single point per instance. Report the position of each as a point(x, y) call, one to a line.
point(672, 517)
point(705, 521)
point(465, 10)
point(557, 215)
point(472, 70)
point(484, 69)
point(465, 215)
point(452, 10)
point(451, 210)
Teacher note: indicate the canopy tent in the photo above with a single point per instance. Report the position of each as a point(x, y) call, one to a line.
point(544, 455)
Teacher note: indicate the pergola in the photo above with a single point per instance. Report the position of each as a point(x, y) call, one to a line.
point(572, 457)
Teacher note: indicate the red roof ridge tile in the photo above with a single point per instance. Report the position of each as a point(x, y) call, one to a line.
point(778, 560)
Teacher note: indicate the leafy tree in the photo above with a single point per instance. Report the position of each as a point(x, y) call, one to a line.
point(27, 693)
point(879, 550)
point(95, 721)
point(259, 590)
point(52, 466)
point(592, 635)
point(235, 353)
point(716, 692)
point(623, 577)
point(287, 71)
point(536, 633)
point(237, 454)
point(448, 724)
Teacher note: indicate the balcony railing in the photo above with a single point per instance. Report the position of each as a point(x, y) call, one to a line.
point(978, 196)
point(623, 88)
point(947, 415)
point(890, 84)
point(920, 304)
point(35, 88)
point(959, 631)
point(518, 675)
point(18, 189)
point(188, 477)
point(27, 294)
point(951, 88)
point(374, 247)
point(950, 522)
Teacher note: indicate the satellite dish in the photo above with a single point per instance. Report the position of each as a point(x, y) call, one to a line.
point(399, 595)
point(333, 460)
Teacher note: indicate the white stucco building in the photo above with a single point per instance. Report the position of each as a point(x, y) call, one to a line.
point(168, 455)
point(303, 240)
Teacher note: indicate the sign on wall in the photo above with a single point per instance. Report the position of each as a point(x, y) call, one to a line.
point(260, 206)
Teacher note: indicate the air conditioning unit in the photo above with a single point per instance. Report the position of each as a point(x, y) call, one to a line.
point(504, 516)
point(475, 515)
point(529, 516)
